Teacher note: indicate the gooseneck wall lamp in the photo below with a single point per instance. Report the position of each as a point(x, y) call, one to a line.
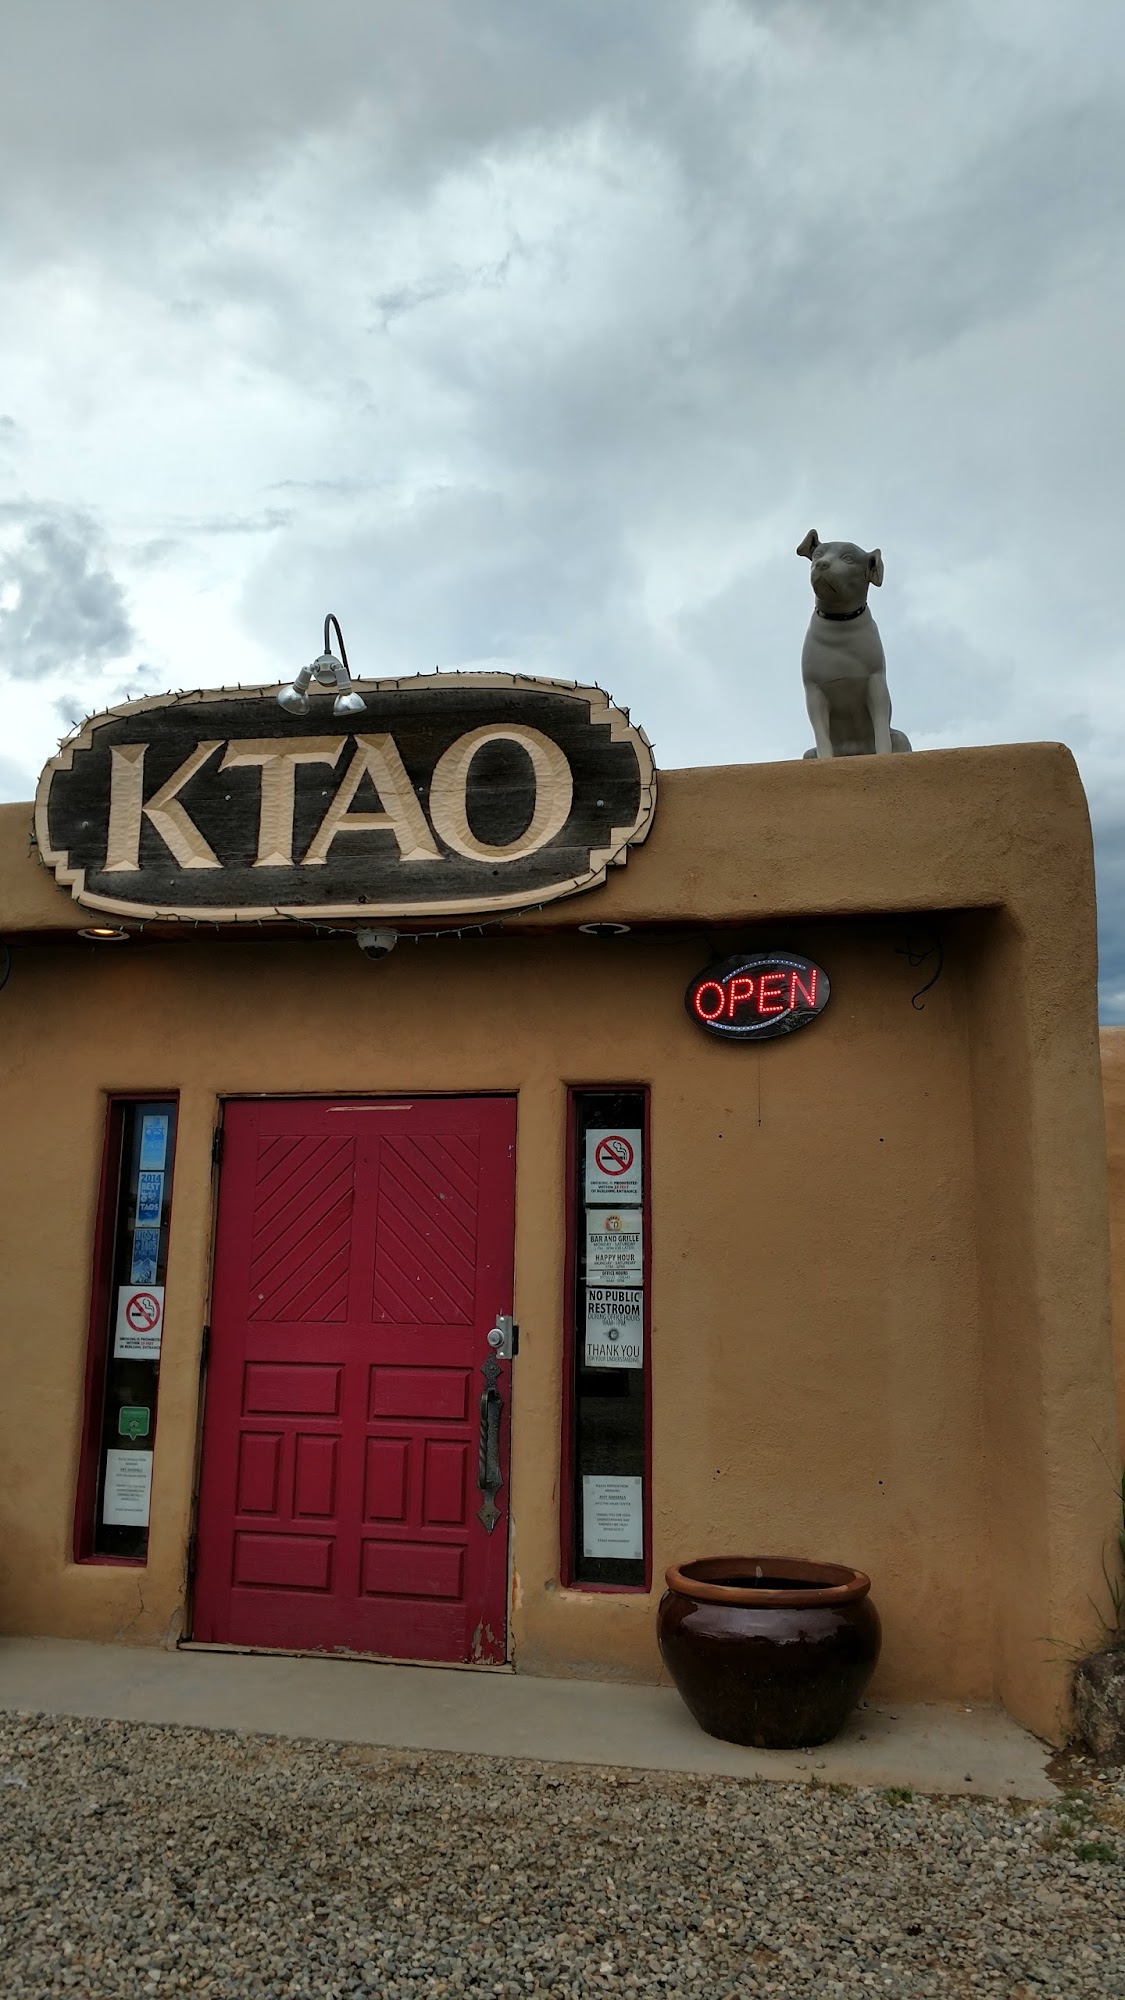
point(327, 672)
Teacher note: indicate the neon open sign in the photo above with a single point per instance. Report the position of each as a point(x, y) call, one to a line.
point(755, 999)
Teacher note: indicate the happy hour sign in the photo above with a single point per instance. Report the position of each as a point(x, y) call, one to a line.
point(614, 1246)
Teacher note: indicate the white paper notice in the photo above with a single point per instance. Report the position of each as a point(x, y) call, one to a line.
point(140, 1322)
point(614, 1246)
point(613, 1164)
point(614, 1327)
point(612, 1518)
point(128, 1484)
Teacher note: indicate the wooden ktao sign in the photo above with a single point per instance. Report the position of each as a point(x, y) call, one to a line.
point(453, 793)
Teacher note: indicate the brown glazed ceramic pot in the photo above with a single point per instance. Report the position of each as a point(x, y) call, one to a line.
point(769, 1650)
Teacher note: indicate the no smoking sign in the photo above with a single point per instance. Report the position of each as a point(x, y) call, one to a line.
point(613, 1155)
point(140, 1322)
point(142, 1312)
point(613, 1165)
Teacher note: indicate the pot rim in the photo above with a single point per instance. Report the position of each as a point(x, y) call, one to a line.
point(828, 1583)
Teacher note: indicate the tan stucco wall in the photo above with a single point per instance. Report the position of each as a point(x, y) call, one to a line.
point(880, 1269)
point(1113, 1082)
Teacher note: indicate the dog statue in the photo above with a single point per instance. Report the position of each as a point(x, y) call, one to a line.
point(842, 663)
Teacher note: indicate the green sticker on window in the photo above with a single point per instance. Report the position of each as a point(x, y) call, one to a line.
point(133, 1422)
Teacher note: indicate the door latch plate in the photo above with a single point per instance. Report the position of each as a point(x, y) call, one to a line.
point(504, 1337)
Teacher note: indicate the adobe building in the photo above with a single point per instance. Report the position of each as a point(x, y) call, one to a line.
point(699, 1167)
point(1113, 1080)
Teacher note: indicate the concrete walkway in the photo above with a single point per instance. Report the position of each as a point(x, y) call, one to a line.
point(928, 1748)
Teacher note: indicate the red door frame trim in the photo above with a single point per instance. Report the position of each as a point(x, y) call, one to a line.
point(566, 1481)
point(217, 1125)
point(97, 1329)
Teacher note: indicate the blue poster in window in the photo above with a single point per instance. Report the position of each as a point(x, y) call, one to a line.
point(150, 1198)
point(146, 1256)
point(154, 1141)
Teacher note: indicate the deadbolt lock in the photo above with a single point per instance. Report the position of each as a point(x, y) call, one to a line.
point(504, 1337)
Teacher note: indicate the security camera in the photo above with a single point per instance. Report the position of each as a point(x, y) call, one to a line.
point(376, 944)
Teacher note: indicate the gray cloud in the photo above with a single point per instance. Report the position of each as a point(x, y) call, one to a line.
point(1108, 817)
point(60, 606)
point(542, 335)
point(210, 89)
point(263, 521)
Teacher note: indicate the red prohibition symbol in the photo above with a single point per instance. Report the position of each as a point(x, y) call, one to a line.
point(142, 1312)
point(613, 1154)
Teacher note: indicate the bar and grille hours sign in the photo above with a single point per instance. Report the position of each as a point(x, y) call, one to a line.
point(613, 1164)
point(615, 1246)
point(614, 1327)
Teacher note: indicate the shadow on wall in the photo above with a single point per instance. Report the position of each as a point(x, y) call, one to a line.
point(1113, 1083)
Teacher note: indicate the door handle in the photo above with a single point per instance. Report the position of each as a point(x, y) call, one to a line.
point(488, 1448)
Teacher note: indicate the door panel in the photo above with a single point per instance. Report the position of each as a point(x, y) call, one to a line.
point(363, 1252)
point(302, 1219)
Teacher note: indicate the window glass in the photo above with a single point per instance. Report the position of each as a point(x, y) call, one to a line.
point(135, 1330)
point(609, 1255)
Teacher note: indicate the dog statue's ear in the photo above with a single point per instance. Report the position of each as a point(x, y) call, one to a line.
point(810, 544)
point(875, 566)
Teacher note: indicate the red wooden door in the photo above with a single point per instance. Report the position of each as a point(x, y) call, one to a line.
point(364, 1250)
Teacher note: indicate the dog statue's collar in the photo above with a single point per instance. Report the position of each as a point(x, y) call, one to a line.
point(841, 617)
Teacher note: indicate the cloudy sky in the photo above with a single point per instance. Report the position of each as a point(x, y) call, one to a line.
point(538, 332)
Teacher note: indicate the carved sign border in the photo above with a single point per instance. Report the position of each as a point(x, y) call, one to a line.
point(602, 710)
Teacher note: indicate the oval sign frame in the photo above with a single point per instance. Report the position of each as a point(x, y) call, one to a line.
point(804, 991)
point(159, 789)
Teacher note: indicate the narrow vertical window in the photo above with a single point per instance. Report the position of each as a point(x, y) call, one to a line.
point(126, 1332)
point(608, 1312)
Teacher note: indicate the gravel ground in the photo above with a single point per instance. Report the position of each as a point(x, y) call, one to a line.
point(139, 1860)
